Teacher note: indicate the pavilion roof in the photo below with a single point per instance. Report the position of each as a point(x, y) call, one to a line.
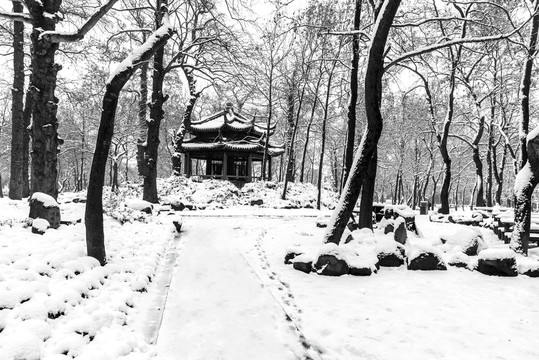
point(229, 119)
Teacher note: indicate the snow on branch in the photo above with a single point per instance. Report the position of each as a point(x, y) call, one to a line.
point(56, 37)
point(26, 18)
point(445, 44)
point(144, 51)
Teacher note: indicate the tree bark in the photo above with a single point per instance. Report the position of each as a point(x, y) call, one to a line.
point(186, 121)
point(142, 121)
point(367, 194)
point(525, 85)
point(95, 237)
point(369, 142)
point(156, 115)
point(16, 180)
point(351, 125)
point(525, 183)
point(44, 128)
point(309, 125)
point(27, 117)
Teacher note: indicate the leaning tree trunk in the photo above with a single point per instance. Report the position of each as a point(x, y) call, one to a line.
point(525, 182)
point(16, 180)
point(369, 142)
point(479, 195)
point(95, 237)
point(44, 131)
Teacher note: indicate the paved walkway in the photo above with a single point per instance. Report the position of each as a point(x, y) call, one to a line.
point(217, 307)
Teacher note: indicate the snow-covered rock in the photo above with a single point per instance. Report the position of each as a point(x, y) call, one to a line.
point(390, 253)
point(425, 257)
point(45, 207)
point(497, 261)
point(331, 261)
point(40, 226)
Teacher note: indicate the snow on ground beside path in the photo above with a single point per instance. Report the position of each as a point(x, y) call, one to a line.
point(56, 303)
point(453, 314)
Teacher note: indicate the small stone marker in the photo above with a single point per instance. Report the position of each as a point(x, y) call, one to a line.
point(45, 207)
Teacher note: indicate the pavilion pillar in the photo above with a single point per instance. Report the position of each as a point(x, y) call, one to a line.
point(225, 166)
point(208, 166)
point(187, 165)
point(250, 168)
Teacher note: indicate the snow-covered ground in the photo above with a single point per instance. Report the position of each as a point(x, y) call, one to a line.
point(232, 297)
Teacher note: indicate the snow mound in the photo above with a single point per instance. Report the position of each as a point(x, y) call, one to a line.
point(497, 254)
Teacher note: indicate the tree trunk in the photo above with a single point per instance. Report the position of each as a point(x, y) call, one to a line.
point(268, 123)
point(367, 194)
point(309, 125)
point(351, 128)
point(95, 237)
point(323, 139)
point(142, 121)
point(156, 115)
point(525, 85)
point(27, 116)
point(45, 140)
point(16, 180)
point(369, 142)
point(479, 194)
point(186, 121)
point(525, 183)
point(290, 164)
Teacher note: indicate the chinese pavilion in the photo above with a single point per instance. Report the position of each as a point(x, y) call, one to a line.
point(228, 146)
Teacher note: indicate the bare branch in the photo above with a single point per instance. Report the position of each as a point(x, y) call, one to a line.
point(442, 45)
point(57, 37)
point(26, 18)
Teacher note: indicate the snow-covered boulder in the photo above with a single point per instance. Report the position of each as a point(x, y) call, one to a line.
point(291, 254)
point(497, 261)
point(331, 261)
point(362, 263)
point(322, 221)
point(399, 234)
point(390, 253)
point(139, 205)
point(40, 226)
point(458, 259)
point(528, 266)
point(176, 204)
point(303, 262)
point(424, 257)
point(467, 240)
point(45, 207)
point(256, 201)
point(394, 211)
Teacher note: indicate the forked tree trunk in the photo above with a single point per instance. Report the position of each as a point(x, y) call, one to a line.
point(369, 142)
point(95, 237)
point(525, 182)
point(16, 180)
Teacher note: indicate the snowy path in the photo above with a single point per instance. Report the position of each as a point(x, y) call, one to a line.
point(217, 307)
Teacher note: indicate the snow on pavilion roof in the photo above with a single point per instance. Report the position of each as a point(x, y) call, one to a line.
point(231, 120)
point(248, 144)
